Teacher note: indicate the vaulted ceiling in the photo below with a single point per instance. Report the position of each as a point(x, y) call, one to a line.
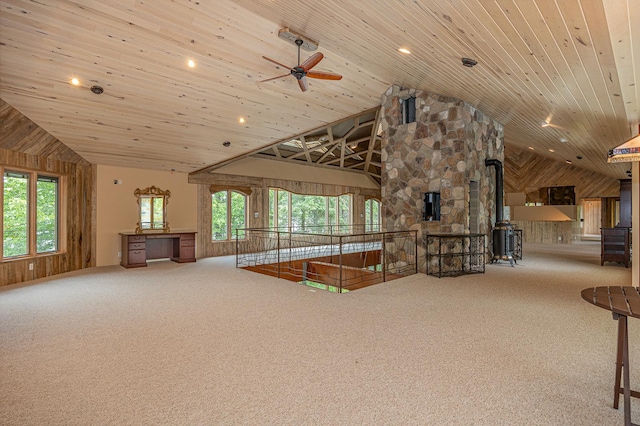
point(571, 64)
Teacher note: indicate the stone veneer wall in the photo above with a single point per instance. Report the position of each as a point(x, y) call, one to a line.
point(442, 151)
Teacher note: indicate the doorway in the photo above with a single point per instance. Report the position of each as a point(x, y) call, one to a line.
point(591, 217)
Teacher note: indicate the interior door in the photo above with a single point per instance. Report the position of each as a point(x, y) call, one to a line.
point(591, 211)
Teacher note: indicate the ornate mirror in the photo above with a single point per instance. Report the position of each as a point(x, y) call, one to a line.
point(152, 213)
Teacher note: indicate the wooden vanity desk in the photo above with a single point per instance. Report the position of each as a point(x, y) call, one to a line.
point(138, 248)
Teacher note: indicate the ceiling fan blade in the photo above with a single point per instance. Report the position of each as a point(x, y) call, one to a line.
point(312, 61)
point(303, 83)
point(322, 75)
point(275, 78)
point(277, 63)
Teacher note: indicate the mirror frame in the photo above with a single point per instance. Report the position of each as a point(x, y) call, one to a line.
point(152, 192)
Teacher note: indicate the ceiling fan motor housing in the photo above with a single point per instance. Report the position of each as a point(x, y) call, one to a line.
point(298, 72)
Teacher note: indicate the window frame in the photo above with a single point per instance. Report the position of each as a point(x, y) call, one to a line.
point(369, 222)
point(230, 235)
point(274, 195)
point(34, 177)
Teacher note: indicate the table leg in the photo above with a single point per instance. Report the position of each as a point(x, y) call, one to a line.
point(621, 333)
point(625, 365)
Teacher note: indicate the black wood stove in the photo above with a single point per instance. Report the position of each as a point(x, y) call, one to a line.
point(503, 234)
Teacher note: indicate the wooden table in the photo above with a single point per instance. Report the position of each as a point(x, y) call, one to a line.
point(623, 302)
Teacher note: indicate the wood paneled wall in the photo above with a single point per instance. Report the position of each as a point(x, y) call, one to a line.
point(259, 203)
point(527, 172)
point(545, 232)
point(24, 145)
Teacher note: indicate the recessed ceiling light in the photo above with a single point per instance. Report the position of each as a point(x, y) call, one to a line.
point(552, 150)
point(564, 140)
point(97, 90)
point(191, 63)
point(531, 148)
point(568, 161)
point(545, 124)
point(75, 81)
point(404, 50)
point(241, 120)
point(226, 144)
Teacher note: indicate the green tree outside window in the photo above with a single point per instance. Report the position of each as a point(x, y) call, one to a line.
point(30, 198)
point(228, 214)
point(309, 213)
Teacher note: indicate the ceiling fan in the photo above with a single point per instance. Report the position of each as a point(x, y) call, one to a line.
point(303, 70)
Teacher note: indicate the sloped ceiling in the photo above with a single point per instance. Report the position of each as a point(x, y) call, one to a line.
point(571, 63)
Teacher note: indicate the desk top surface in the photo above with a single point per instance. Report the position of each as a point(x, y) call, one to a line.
point(158, 234)
point(620, 300)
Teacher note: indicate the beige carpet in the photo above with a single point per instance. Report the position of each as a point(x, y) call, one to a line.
point(207, 344)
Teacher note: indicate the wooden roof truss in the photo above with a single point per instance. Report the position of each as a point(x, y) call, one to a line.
point(352, 144)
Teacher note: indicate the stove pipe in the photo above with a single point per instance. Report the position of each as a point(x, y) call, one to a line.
point(499, 188)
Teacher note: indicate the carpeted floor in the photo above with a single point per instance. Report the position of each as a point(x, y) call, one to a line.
point(208, 344)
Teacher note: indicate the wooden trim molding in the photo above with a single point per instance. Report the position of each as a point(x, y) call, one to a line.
point(217, 188)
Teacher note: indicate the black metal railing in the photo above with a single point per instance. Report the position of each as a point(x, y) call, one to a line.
point(338, 260)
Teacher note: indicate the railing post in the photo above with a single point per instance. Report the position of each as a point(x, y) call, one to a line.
point(278, 251)
point(384, 259)
point(237, 252)
point(340, 242)
point(415, 238)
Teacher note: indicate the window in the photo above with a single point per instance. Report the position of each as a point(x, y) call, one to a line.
point(309, 212)
point(31, 214)
point(372, 215)
point(228, 214)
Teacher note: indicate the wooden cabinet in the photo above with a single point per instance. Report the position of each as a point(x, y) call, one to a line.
point(615, 246)
point(185, 248)
point(138, 248)
point(133, 251)
point(625, 204)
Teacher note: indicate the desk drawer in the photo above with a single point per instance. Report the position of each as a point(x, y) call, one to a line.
point(187, 254)
point(137, 256)
point(187, 243)
point(136, 246)
point(136, 238)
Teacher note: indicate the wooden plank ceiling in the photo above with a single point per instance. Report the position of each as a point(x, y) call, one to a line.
point(572, 64)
